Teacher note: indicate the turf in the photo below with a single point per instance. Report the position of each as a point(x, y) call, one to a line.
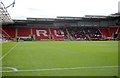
point(61, 54)
point(0, 56)
point(7, 46)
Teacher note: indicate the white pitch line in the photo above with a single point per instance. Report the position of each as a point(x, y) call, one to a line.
point(50, 69)
point(14, 69)
point(8, 52)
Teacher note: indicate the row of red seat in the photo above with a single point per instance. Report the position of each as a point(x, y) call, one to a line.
point(10, 31)
point(50, 33)
point(108, 32)
point(38, 33)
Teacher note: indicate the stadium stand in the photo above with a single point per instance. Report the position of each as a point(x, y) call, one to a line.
point(90, 27)
point(84, 33)
point(23, 32)
point(4, 20)
point(69, 33)
point(109, 32)
point(105, 32)
point(4, 37)
point(10, 31)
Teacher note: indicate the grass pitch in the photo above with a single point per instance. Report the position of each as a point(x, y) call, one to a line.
point(60, 58)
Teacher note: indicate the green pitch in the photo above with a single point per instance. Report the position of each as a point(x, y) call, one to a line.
point(60, 58)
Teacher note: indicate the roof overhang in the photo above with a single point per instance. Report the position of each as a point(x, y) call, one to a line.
point(4, 15)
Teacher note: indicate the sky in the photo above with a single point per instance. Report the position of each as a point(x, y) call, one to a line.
point(53, 8)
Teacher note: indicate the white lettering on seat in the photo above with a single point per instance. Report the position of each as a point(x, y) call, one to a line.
point(39, 32)
point(61, 33)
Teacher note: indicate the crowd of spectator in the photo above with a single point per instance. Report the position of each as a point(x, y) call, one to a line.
point(82, 33)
